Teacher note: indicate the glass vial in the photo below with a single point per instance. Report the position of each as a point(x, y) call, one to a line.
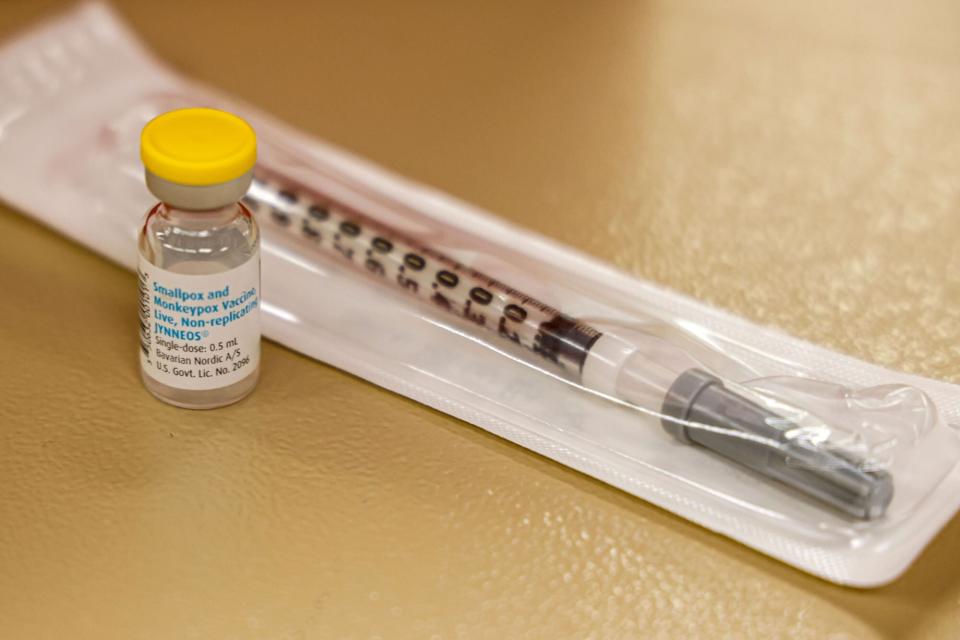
point(199, 267)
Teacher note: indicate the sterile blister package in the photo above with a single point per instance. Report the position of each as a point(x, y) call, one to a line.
point(838, 467)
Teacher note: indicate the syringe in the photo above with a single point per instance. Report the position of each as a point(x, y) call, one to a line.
point(695, 406)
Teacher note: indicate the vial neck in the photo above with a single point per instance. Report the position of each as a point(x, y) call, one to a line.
point(200, 218)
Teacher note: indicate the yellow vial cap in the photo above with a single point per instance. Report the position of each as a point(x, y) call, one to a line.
point(198, 146)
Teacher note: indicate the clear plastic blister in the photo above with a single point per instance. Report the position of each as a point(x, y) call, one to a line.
point(838, 467)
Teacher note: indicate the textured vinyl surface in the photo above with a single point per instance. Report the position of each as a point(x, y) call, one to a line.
point(792, 162)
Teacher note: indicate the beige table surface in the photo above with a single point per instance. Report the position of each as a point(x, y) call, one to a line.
point(793, 162)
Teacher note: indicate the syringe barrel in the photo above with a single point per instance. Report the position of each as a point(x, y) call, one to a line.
point(399, 261)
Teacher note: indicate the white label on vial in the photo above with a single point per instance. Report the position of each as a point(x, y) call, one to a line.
point(199, 331)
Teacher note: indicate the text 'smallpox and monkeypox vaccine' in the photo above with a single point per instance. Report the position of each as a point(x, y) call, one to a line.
point(199, 268)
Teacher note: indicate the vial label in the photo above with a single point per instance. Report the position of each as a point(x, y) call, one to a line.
point(199, 332)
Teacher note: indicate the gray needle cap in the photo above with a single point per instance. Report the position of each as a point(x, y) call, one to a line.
point(699, 409)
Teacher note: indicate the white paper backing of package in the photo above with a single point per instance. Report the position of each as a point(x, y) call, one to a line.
point(74, 94)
